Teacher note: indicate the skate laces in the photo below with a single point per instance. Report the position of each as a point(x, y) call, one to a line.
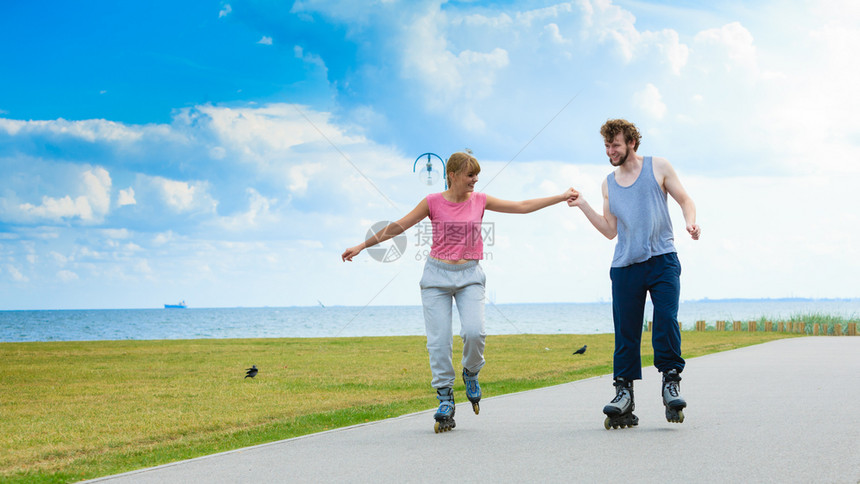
point(471, 386)
point(446, 403)
point(471, 380)
point(672, 387)
point(620, 395)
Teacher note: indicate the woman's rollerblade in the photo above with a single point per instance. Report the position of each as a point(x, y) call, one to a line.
point(672, 397)
point(473, 389)
point(445, 415)
point(619, 412)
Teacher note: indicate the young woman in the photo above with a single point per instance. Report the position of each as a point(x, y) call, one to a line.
point(452, 272)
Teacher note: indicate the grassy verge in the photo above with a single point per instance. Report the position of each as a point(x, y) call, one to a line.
point(79, 410)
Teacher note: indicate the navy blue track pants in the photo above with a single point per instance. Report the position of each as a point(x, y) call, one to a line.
point(661, 277)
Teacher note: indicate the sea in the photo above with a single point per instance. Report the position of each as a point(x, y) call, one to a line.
point(349, 321)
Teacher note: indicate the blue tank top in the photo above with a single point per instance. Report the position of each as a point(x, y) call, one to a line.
point(644, 227)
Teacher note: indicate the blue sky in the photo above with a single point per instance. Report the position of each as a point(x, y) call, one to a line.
point(227, 152)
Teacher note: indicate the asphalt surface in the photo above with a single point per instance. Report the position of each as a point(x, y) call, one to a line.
point(784, 411)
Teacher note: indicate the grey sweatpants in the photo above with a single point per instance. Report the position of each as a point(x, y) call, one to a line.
point(440, 285)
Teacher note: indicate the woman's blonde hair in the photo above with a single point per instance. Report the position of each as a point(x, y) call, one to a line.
point(460, 162)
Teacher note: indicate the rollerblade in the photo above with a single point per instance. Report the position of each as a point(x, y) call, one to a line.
point(445, 415)
point(473, 389)
point(619, 412)
point(672, 397)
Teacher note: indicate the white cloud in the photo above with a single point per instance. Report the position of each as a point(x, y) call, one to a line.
point(650, 101)
point(91, 130)
point(255, 132)
point(60, 259)
point(730, 46)
point(607, 23)
point(225, 11)
point(810, 106)
point(16, 274)
point(311, 59)
point(451, 76)
point(117, 234)
point(604, 22)
point(126, 197)
point(59, 208)
point(89, 207)
point(671, 50)
point(300, 175)
point(67, 276)
point(164, 238)
point(259, 213)
point(143, 267)
point(555, 34)
point(183, 196)
point(265, 40)
point(97, 185)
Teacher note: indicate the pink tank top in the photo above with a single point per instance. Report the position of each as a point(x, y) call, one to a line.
point(457, 227)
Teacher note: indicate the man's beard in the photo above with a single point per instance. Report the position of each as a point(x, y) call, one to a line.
point(621, 159)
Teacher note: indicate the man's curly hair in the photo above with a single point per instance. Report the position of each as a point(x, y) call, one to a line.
point(612, 127)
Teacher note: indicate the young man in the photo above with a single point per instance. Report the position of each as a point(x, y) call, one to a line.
point(645, 261)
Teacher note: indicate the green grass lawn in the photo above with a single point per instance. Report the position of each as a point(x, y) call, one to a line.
point(78, 410)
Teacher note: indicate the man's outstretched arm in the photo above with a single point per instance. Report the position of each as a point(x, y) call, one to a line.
point(605, 223)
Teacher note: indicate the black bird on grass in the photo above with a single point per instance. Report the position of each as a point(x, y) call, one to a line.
point(252, 372)
point(581, 350)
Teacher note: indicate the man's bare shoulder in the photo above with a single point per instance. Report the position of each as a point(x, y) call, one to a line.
point(662, 168)
point(660, 163)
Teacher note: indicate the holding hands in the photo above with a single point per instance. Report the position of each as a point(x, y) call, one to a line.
point(575, 201)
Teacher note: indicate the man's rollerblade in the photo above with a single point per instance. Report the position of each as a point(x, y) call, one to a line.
point(619, 412)
point(473, 389)
point(672, 397)
point(445, 415)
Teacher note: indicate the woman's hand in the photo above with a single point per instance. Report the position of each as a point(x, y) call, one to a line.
point(348, 254)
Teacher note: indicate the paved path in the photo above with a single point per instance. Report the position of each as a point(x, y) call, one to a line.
point(784, 411)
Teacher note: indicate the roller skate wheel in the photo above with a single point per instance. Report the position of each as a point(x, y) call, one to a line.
point(444, 426)
point(675, 416)
point(476, 407)
point(606, 423)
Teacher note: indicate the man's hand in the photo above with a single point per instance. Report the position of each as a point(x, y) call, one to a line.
point(575, 201)
point(694, 230)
